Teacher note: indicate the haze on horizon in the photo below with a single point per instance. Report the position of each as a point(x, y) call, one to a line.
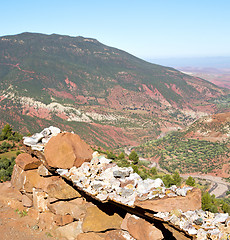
point(148, 29)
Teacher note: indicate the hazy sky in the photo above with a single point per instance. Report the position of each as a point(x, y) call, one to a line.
point(144, 28)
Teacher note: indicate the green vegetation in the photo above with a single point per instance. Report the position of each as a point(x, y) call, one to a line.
point(8, 152)
point(6, 168)
point(8, 134)
point(134, 157)
point(178, 153)
point(190, 181)
point(212, 204)
point(22, 213)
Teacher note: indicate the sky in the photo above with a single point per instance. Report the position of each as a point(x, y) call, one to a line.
point(148, 29)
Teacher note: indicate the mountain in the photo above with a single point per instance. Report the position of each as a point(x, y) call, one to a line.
point(107, 96)
point(203, 147)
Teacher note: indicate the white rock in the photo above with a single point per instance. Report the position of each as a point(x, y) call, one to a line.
point(201, 234)
point(54, 130)
point(37, 147)
point(192, 231)
point(63, 172)
point(45, 132)
point(95, 154)
point(220, 218)
point(103, 160)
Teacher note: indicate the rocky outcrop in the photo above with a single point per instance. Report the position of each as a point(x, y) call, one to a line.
point(99, 200)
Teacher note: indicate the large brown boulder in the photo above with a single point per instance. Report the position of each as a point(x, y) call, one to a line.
point(27, 162)
point(67, 150)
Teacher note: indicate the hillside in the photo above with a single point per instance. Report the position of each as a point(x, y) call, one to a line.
point(204, 147)
point(109, 97)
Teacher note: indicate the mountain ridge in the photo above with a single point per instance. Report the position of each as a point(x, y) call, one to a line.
point(76, 81)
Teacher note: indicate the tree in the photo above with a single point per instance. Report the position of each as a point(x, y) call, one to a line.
point(6, 132)
point(110, 155)
point(190, 181)
point(225, 207)
point(168, 181)
point(135, 169)
point(153, 171)
point(176, 178)
point(206, 201)
point(121, 156)
point(134, 157)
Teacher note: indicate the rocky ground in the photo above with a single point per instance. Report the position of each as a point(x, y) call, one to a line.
point(13, 225)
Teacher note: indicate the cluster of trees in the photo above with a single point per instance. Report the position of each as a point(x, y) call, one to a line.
point(212, 204)
point(185, 155)
point(9, 138)
point(7, 133)
point(5, 146)
point(6, 168)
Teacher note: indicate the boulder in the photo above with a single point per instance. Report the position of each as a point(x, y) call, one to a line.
point(142, 230)
point(27, 162)
point(63, 208)
point(69, 231)
point(67, 150)
point(17, 178)
point(97, 220)
point(191, 201)
point(63, 220)
point(25, 181)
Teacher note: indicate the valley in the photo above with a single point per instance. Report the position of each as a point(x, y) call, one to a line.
point(107, 96)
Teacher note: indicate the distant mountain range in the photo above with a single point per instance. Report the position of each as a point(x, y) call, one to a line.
point(107, 96)
point(195, 62)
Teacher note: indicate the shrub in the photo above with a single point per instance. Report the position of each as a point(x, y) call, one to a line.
point(134, 157)
point(190, 181)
